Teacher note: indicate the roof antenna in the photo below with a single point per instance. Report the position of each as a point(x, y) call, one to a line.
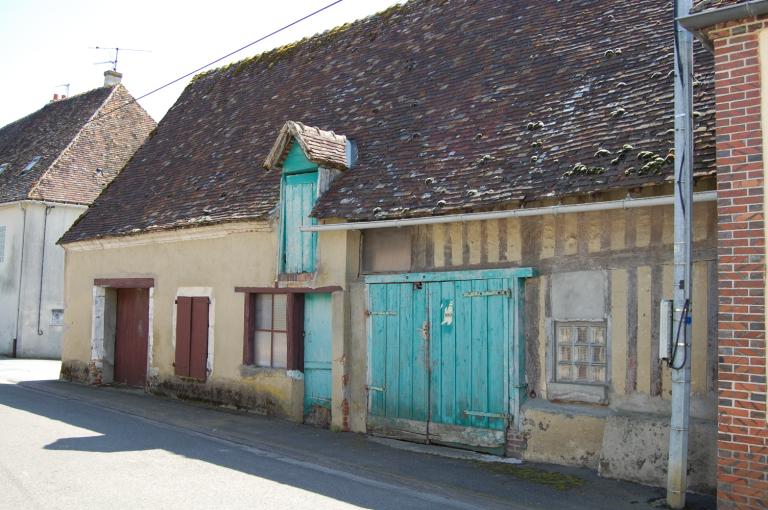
point(66, 86)
point(117, 54)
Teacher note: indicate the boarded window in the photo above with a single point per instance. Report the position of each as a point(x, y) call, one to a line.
point(274, 327)
point(192, 337)
point(2, 243)
point(580, 350)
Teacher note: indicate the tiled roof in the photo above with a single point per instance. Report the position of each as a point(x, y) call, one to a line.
point(454, 105)
point(324, 148)
point(707, 5)
point(75, 158)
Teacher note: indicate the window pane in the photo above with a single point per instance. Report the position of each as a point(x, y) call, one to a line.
point(565, 353)
point(281, 312)
point(262, 342)
point(581, 372)
point(598, 354)
point(564, 372)
point(581, 354)
point(598, 335)
point(264, 311)
point(597, 374)
point(564, 334)
point(582, 339)
point(280, 350)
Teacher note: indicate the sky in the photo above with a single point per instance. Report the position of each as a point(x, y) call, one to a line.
point(46, 44)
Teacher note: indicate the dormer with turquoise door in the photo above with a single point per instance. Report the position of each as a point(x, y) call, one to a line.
point(308, 159)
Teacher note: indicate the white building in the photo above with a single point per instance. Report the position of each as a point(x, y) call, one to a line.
point(53, 164)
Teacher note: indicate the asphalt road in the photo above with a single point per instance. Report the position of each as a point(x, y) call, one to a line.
point(65, 446)
point(60, 453)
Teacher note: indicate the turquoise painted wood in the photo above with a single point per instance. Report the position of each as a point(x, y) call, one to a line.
point(514, 272)
point(296, 161)
point(317, 357)
point(398, 388)
point(298, 248)
point(468, 350)
point(439, 353)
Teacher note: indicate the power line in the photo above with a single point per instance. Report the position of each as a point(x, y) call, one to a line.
point(209, 64)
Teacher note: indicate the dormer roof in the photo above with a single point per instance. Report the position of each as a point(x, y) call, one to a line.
point(324, 148)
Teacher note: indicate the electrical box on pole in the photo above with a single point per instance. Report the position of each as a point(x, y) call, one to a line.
point(666, 322)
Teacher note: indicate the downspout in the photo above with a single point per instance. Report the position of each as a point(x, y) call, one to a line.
point(21, 279)
point(48, 209)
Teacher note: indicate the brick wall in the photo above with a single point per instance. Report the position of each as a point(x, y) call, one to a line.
point(742, 432)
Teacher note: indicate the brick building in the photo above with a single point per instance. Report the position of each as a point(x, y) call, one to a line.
point(736, 33)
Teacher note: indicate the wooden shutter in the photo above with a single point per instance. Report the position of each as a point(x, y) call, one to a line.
point(295, 332)
point(183, 334)
point(192, 336)
point(198, 348)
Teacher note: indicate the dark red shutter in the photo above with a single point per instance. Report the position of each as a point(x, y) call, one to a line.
point(295, 332)
point(183, 334)
point(198, 350)
point(249, 329)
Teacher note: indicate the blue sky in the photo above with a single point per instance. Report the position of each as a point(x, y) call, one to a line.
point(45, 44)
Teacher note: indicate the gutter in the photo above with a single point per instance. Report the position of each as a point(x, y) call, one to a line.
point(21, 278)
point(695, 23)
point(626, 203)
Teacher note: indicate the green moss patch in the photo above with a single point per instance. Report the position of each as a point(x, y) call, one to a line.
point(559, 481)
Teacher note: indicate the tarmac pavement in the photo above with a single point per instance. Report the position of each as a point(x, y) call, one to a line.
point(65, 445)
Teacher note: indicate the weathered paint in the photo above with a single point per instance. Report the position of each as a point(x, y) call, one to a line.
point(634, 250)
point(645, 317)
point(440, 367)
point(131, 336)
point(299, 248)
point(317, 358)
point(296, 161)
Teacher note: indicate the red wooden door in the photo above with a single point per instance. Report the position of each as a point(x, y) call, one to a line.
point(131, 336)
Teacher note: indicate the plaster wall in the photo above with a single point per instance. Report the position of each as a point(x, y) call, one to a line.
point(611, 266)
point(39, 304)
point(214, 260)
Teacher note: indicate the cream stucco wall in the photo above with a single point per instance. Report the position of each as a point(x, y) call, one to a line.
point(214, 260)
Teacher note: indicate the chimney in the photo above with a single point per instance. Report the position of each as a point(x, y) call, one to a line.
point(112, 78)
point(55, 97)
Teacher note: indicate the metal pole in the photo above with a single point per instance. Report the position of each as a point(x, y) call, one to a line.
point(681, 357)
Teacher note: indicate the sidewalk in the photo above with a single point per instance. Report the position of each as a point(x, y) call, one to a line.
point(488, 484)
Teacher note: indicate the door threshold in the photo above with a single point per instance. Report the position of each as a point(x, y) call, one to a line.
point(442, 451)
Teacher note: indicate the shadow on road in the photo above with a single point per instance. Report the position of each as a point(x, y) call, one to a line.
point(304, 457)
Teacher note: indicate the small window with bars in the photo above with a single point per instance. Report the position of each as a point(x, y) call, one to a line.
point(581, 352)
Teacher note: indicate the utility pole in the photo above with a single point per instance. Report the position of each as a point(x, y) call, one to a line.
point(680, 360)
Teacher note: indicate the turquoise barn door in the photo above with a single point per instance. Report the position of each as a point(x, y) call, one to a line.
point(317, 359)
point(399, 382)
point(445, 356)
point(470, 331)
point(299, 194)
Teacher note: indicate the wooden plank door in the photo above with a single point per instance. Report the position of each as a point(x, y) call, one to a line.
point(470, 331)
point(438, 361)
point(399, 360)
point(317, 359)
point(300, 192)
point(131, 336)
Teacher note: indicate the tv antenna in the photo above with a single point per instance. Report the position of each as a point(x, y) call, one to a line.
point(117, 54)
point(66, 86)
